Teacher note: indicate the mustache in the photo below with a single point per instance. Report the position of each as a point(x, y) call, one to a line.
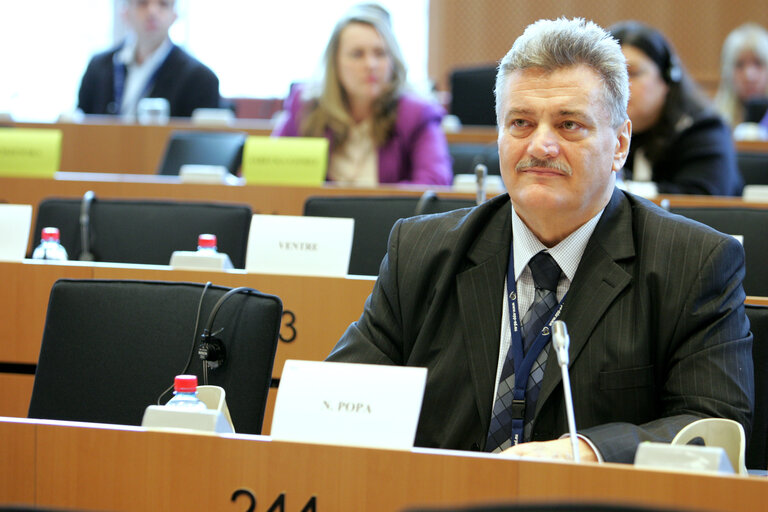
point(528, 163)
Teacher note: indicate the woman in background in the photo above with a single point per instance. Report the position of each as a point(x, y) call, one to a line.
point(743, 71)
point(378, 132)
point(678, 140)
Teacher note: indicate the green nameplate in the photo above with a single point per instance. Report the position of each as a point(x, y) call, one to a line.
point(29, 152)
point(298, 161)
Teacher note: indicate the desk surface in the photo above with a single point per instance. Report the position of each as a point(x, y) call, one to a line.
point(61, 464)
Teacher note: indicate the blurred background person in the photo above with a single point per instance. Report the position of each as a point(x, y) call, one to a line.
point(679, 142)
point(378, 132)
point(743, 72)
point(147, 65)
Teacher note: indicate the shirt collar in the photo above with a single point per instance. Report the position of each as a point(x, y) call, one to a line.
point(567, 253)
point(126, 55)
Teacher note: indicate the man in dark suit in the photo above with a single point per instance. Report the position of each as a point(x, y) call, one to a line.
point(653, 302)
point(147, 65)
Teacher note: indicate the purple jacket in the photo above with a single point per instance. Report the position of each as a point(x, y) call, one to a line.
point(417, 152)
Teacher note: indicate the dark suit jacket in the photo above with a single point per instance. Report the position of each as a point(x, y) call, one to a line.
point(655, 313)
point(184, 81)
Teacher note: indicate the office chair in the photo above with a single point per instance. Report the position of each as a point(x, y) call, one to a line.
point(203, 148)
point(142, 231)
point(753, 167)
point(472, 99)
point(374, 217)
point(111, 348)
point(752, 223)
point(757, 443)
point(466, 156)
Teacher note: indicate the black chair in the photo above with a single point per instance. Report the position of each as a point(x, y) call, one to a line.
point(472, 99)
point(466, 156)
point(142, 231)
point(752, 223)
point(203, 148)
point(757, 444)
point(374, 217)
point(111, 348)
point(753, 167)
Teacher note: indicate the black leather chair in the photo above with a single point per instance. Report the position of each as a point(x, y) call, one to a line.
point(753, 167)
point(203, 148)
point(752, 223)
point(143, 231)
point(111, 348)
point(374, 217)
point(472, 99)
point(757, 444)
point(466, 156)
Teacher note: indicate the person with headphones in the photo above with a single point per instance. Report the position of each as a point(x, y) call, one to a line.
point(679, 142)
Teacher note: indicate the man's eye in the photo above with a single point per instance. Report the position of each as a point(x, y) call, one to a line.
point(571, 125)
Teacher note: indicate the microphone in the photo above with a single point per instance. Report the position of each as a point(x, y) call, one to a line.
point(481, 171)
point(560, 342)
point(85, 226)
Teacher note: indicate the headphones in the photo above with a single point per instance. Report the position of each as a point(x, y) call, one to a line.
point(212, 350)
point(673, 73)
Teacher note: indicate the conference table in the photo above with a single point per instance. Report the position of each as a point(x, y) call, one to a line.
point(109, 467)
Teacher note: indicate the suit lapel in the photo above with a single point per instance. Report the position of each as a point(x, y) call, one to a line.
point(598, 281)
point(480, 293)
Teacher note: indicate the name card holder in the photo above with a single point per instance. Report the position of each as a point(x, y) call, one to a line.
point(29, 152)
point(294, 161)
point(15, 222)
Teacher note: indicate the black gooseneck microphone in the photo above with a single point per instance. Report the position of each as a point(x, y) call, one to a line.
point(85, 226)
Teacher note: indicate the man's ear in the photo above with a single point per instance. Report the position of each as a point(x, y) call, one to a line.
point(623, 136)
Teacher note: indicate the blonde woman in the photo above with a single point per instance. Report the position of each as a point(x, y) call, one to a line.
point(743, 71)
point(378, 132)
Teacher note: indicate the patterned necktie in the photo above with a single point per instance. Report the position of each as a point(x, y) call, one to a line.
point(546, 274)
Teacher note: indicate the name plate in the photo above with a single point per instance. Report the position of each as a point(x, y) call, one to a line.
point(296, 161)
point(375, 406)
point(15, 222)
point(29, 152)
point(296, 245)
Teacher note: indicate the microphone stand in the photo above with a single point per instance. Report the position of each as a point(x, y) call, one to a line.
point(561, 341)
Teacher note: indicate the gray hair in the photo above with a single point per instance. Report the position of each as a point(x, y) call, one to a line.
point(561, 43)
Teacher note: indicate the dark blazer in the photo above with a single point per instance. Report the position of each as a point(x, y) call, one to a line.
point(698, 158)
point(655, 313)
point(184, 81)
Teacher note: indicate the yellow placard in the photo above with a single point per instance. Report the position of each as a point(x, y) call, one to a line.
point(285, 160)
point(29, 152)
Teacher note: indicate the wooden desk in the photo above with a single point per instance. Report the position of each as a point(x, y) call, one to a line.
point(108, 144)
point(62, 464)
point(311, 326)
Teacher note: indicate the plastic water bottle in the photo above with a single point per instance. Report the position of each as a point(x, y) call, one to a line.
point(206, 244)
point(50, 248)
point(185, 393)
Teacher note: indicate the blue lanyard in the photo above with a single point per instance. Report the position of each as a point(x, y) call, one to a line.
point(523, 362)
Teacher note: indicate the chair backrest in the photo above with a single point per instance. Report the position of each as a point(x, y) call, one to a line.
point(139, 231)
point(722, 432)
point(374, 217)
point(466, 156)
point(752, 223)
point(203, 148)
point(472, 99)
point(757, 444)
point(110, 349)
point(753, 167)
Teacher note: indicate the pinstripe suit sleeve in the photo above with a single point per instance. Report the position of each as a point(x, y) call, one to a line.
point(376, 338)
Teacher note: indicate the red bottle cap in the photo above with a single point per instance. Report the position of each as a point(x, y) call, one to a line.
point(185, 383)
point(50, 235)
point(207, 241)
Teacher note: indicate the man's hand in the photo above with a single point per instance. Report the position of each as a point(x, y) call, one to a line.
point(559, 449)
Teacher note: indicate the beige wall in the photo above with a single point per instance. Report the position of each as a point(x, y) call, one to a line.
point(473, 32)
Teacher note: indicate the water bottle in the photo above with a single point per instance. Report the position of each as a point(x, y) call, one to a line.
point(185, 393)
point(50, 248)
point(206, 244)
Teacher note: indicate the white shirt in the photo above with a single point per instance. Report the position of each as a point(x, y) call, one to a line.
point(137, 76)
point(357, 161)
